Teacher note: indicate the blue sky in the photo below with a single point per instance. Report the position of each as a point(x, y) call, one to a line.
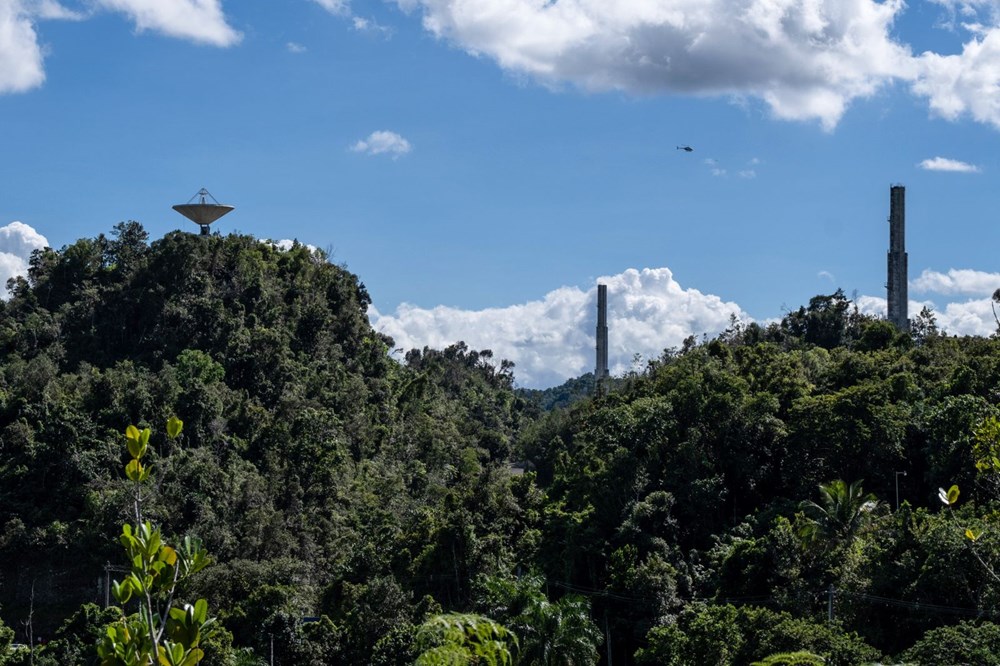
point(480, 164)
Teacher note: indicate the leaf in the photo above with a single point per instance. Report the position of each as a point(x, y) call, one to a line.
point(121, 591)
point(132, 433)
point(200, 611)
point(133, 471)
point(136, 449)
point(168, 555)
point(948, 497)
point(972, 535)
point(174, 427)
point(193, 657)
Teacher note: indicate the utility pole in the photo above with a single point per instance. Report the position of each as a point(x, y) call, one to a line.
point(607, 633)
point(829, 603)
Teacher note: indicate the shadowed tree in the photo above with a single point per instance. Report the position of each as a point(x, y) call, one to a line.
point(842, 510)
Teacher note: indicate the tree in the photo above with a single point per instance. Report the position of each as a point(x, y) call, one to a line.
point(551, 633)
point(965, 643)
point(840, 513)
point(456, 639)
point(160, 633)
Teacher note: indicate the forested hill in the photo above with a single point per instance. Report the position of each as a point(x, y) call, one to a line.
point(323, 476)
point(713, 508)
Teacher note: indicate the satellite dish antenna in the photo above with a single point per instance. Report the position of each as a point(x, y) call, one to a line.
point(203, 213)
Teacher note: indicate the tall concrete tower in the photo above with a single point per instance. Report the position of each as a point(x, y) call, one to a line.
point(601, 371)
point(896, 284)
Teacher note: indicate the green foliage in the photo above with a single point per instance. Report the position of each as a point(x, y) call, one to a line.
point(6, 640)
point(841, 512)
point(162, 632)
point(333, 477)
point(458, 639)
point(550, 632)
point(791, 659)
point(965, 643)
point(730, 635)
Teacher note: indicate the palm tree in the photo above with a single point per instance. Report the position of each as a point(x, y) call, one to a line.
point(558, 634)
point(842, 510)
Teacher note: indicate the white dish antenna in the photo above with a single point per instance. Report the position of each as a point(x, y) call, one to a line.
point(201, 212)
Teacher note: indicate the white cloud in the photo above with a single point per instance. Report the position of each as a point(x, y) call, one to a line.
point(17, 242)
point(946, 164)
point(553, 339)
point(52, 10)
point(20, 54)
point(371, 26)
point(957, 281)
point(199, 21)
point(826, 275)
point(966, 83)
point(972, 317)
point(807, 59)
point(287, 244)
point(748, 174)
point(339, 7)
point(381, 142)
point(294, 47)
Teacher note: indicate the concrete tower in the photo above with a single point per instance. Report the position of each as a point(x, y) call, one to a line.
point(602, 333)
point(896, 284)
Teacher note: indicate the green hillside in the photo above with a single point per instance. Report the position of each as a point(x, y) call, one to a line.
point(352, 500)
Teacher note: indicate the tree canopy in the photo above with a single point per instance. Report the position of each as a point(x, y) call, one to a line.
point(360, 504)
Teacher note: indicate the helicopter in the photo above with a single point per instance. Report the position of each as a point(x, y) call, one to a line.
point(686, 149)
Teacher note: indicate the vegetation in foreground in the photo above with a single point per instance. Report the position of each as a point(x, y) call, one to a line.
point(719, 506)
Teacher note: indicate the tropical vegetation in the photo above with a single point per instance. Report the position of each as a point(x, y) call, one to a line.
point(732, 501)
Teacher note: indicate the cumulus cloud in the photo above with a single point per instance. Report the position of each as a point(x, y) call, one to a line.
point(20, 54)
point(287, 244)
point(806, 59)
point(383, 142)
point(200, 21)
point(945, 164)
point(294, 47)
point(972, 316)
point(17, 242)
point(966, 83)
point(957, 281)
point(553, 339)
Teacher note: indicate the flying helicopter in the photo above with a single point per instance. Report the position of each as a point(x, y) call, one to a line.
point(686, 149)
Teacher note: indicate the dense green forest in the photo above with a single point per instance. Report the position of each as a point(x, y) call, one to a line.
point(770, 495)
